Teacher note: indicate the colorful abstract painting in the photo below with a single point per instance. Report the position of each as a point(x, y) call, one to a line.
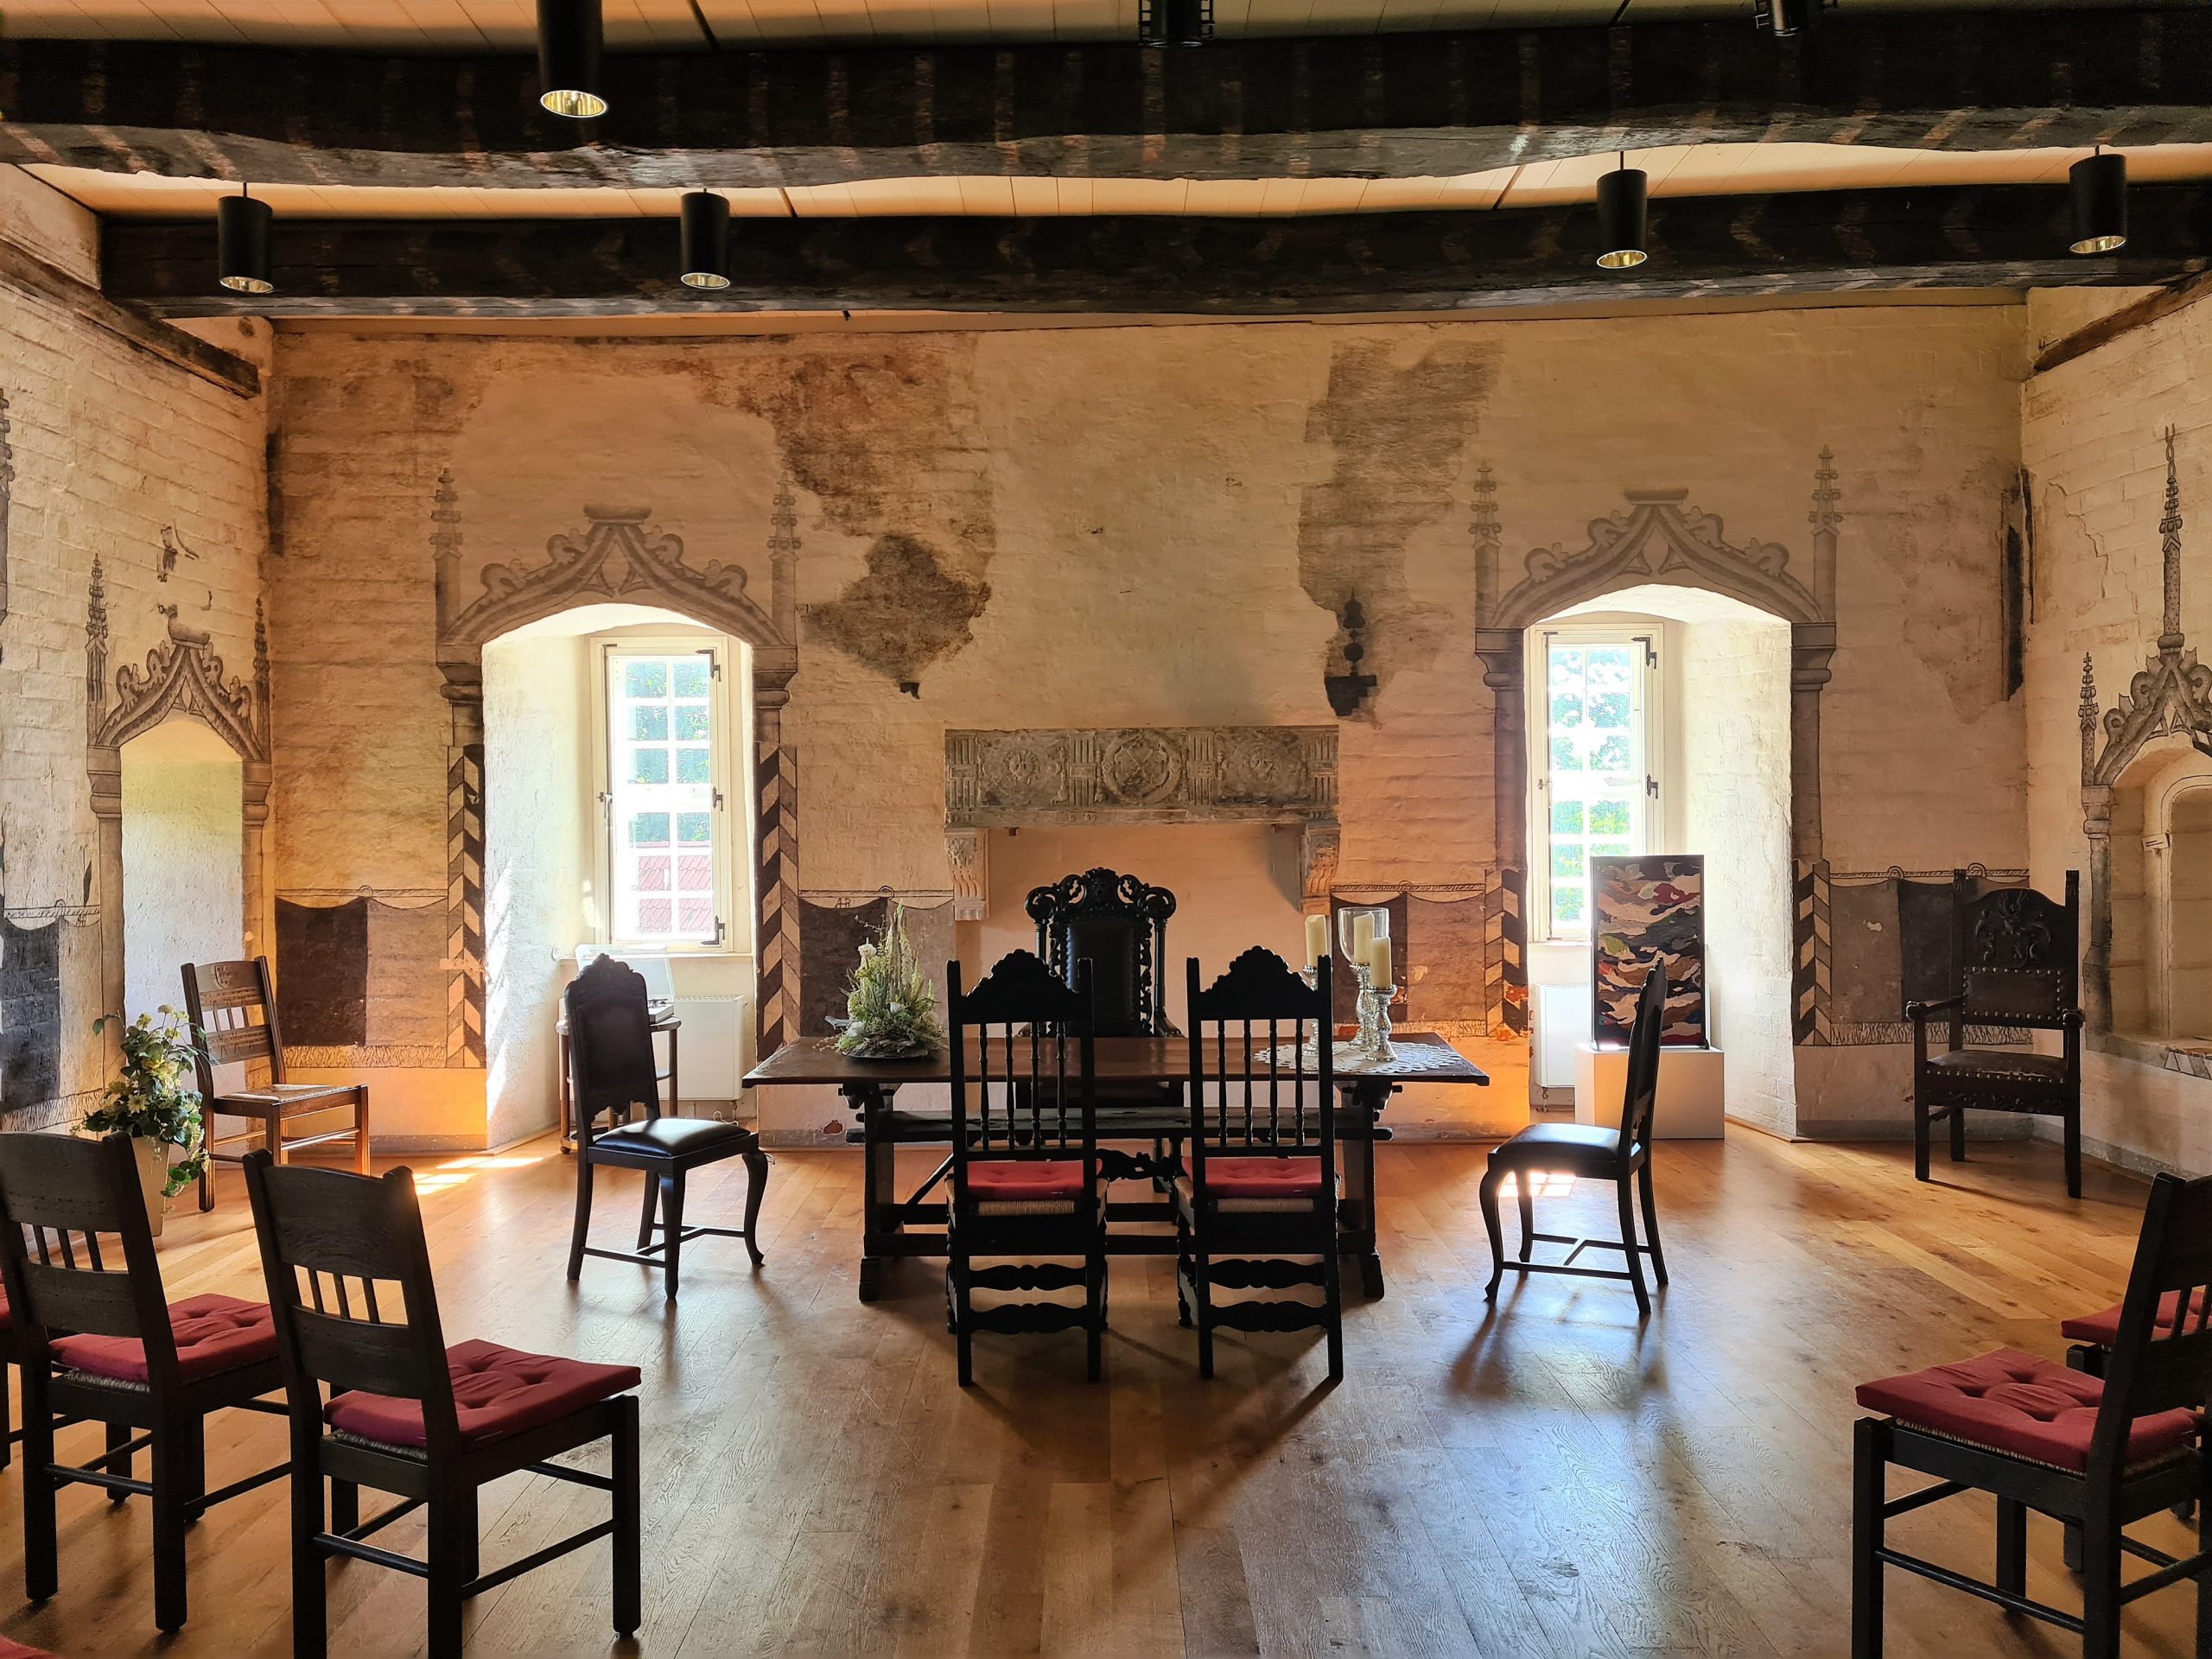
point(1648, 909)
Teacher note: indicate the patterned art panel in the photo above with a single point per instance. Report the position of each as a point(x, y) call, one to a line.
point(322, 961)
point(1648, 911)
point(30, 1015)
point(833, 935)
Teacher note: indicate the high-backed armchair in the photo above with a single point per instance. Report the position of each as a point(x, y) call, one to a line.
point(1120, 925)
point(2017, 955)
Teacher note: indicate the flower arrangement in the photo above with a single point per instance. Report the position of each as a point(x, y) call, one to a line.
point(152, 1100)
point(891, 1006)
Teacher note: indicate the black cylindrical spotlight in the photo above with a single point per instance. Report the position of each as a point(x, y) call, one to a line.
point(568, 40)
point(2098, 185)
point(1621, 197)
point(706, 239)
point(1175, 22)
point(242, 244)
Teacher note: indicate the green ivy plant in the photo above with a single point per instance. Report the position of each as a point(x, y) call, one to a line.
point(153, 1100)
point(891, 1006)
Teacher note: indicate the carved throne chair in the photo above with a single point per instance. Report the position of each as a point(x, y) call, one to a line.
point(1119, 924)
point(2017, 957)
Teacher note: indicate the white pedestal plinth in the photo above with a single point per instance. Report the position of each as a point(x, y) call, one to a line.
point(1691, 1090)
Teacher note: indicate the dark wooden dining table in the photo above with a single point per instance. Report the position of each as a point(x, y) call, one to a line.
point(893, 1226)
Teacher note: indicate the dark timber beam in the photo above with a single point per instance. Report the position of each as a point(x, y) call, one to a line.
point(1812, 242)
point(1379, 105)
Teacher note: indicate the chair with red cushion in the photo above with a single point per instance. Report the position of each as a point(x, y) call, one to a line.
point(409, 1416)
point(99, 1342)
point(1622, 1156)
point(1261, 1183)
point(1026, 1186)
point(2095, 1453)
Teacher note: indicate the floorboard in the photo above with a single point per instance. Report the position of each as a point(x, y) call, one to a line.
point(1543, 1479)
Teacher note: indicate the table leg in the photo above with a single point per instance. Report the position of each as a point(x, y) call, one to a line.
point(879, 1182)
point(1355, 1209)
point(568, 1106)
point(675, 1093)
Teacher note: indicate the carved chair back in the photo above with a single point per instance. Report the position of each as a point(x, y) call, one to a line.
point(60, 1197)
point(348, 1274)
point(233, 1012)
point(1023, 1067)
point(1641, 1102)
point(2019, 953)
point(1119, 924)
point(2154, 1366)
point(611, 1060)
point(1254, 1025)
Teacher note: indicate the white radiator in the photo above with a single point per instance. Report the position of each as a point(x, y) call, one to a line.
point(717, 1046)
point(1562, 1021)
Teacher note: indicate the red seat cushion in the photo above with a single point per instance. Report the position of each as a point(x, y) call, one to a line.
point(17, 1650)
point(2017, 1403)
point(1025, 1181)
point(7, 1323)
point(214, 1334)
point(496, 1392)
point(2102, 1329)
point(1263, 1178)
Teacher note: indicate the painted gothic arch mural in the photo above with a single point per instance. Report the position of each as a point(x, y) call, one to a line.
point(620, 556)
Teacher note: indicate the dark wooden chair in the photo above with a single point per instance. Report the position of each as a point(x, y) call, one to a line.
point(612, 1069)
point(1025, 1181)
point(233, 1011)
point(409, 1416)
point(2018, 956)
point(1262, 1185)
point(1587, 1152)
point(2093, 1453)
point(97, 1342)
point(1118, 925)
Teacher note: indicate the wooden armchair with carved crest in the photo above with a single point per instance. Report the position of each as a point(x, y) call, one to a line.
point(2015, 957)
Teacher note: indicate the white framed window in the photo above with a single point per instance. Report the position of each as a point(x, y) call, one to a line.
point(666, 853)
point(1594, 762)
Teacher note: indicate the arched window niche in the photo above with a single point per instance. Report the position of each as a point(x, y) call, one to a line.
point(2162, 896)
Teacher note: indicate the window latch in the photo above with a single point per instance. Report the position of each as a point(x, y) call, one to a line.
point(718, 800)
point(721, 930)
point(1650, 786)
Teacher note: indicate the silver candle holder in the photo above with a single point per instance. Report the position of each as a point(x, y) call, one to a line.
point(1374, 1038)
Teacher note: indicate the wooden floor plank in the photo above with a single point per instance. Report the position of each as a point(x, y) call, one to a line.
point(1542, 1477)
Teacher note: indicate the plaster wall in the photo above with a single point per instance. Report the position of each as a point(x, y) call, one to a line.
point(109, 456)
point(1153, 527)
point(183, 843)
point(2092, 443)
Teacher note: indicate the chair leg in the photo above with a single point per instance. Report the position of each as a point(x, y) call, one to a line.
point(345, 1506)
point(583, 1214)
point(1489, 1193)
point(117, 1462)
point(2013, 1546)
point(1919, 1138)
point(756, 1188)
point(361, 1130)
point(1958, 1125)
point(671, 1215)
point(206, 1186)
point(2073, 1123)
point(42, 1559)
point(2099, 1586)
point(645, 1220)
point(1202, 1294)
point(2204, 1580)
point(956, 1269)
point(310, 1594)
point(1524, 1189)
point(178, 1453)
point(7, 1422)
point(1333, 1301)
point(629, 1528)
point(1627, 1206)
point(1651, 1224)
point(1094, 1288)
point(453, 1565)
point(1869, 1492)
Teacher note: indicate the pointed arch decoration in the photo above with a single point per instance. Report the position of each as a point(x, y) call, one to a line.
point(2169, 696)
point(620, 556)
point(181, 675)
point(1656, 537)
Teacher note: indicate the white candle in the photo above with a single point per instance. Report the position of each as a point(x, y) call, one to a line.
point(1378, 963)
point(1363, 932)
point(1317, 938)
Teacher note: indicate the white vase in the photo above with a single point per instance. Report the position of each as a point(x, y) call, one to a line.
point(153, 1176)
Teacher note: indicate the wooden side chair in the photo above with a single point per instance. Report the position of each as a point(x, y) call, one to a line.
point(99, 1342)
point(409, 1416)
point(1025, 1181)
point(2093, 1453)
point(2018, 960)
point(612, 1067)
point(232, 1007)
point(1261, 1183)
point(1588, 1152)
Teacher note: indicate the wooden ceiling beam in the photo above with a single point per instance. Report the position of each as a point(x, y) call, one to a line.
point(1803, 242)
point(1378, 106)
